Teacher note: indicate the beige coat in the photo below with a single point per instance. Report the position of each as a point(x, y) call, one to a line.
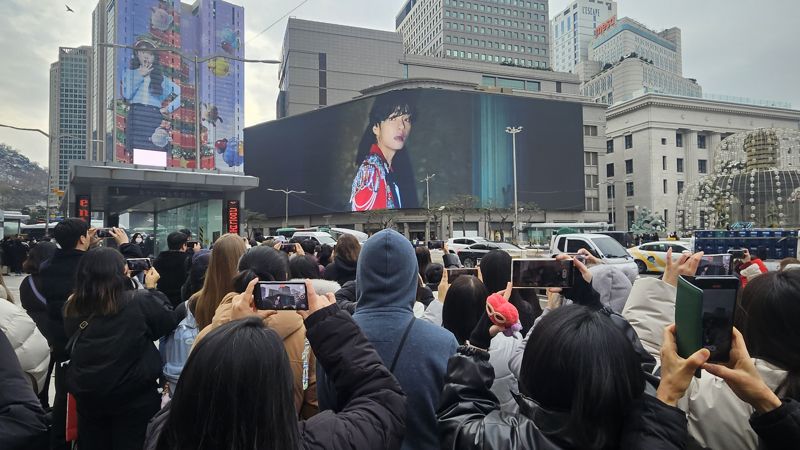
point(717, 418)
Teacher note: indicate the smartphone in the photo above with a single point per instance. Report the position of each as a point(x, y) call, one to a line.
point(704, 315)
point(541, 273)
point(715, 265)
point(103, 233)
point(192, 244)
point(139, 264)
point(288, 248)
point(736, 253)
point(452, 274)
point(281, 295)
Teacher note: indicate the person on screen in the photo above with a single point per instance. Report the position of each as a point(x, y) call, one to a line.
point(152, 98)
point(384, 179)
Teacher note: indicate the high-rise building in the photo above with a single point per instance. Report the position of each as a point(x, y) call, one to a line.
point(573, 29)
point(69, 111)
point(146, 93)
point(512, 32)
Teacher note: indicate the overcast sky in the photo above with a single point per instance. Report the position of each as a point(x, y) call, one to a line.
point(742, 48)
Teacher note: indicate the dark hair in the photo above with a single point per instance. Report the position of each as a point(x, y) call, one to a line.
point(567, 367)
point(266, 263)
point(197, 271)
point(304, 267)
point(134, 235)
point(464, 305)
point(156, 77)
point(40, 253)
point(423, 259)
point(496, 272)
point(99, 283)
point(187, 232)
point(241, 360)
point(433, 273)
point(176, 240)
point(68, 232)
point(771, 324)
point(324, 254)
point(386, 106)
point(308, 246)
point(348, 248)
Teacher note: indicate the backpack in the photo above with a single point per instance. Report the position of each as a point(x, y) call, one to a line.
point(175, 348)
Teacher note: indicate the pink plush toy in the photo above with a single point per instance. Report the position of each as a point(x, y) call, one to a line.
point(503, 314)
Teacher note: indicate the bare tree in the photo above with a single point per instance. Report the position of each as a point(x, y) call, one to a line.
point(461, 205)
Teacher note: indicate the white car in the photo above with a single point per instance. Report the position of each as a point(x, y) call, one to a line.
point(652, 256)
point(601, 246)
point(317, 236)
point(456, 244)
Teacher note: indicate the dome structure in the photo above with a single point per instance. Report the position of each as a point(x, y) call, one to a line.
point(756, 179)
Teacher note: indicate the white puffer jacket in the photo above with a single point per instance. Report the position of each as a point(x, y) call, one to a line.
point(28, 343)
point(717, 418)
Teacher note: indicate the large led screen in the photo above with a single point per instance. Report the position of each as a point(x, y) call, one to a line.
point(375, 152)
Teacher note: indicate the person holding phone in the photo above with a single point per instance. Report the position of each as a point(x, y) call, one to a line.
point(769, 317)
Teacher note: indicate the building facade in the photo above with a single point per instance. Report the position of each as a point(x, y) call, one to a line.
point(658, 144)
point(69, 112)
point(513, 32)
point(573, 29)
point(159, 125)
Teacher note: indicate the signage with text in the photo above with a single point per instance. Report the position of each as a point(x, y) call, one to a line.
point(232, 216)
point(605, 26)
point(83, 208)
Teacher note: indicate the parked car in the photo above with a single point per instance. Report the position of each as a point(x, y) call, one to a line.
point(320, 237)
point(601, 246)
point(457, 244)
point(471, 256)
point(652, 257)
point(360, 235)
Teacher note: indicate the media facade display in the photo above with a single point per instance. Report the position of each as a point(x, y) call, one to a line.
point(372, 153)
point(155, 99)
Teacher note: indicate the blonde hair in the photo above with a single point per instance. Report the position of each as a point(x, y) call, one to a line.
point(222, 267)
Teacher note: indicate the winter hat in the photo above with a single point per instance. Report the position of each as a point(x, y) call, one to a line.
point(612, 284)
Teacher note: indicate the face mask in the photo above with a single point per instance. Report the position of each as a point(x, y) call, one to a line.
point(139, 240)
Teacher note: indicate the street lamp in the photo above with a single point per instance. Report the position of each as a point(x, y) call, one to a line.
point(613, 183)
point(427, 180)
point(197, 62)
point(513, 132)
point(287, 192)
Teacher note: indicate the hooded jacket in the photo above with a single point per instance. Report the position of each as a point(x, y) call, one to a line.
point(30, 346)
point(717, 417)
point(386, 286)
point(171, 265)
point(340, 271)
point(22, 420)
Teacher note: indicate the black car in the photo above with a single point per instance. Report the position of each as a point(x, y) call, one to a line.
point(471, 256)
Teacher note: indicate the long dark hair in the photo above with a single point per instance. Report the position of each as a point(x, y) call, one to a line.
point(386, 106)
point(40, 253)
point(305, 266)
point(496, 272)
point(771, 324)
point(423, 260)
point(567, 367)
point(235, 392)
point(156, 76)
point(464, 305)
point(100, 282)
point(263, 262)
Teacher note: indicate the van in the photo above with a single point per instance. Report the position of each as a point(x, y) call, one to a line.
point(601, 246)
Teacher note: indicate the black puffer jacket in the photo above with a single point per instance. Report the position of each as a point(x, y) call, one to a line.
point(340, 271)
point(469, 417)
point(171, 265)
point(346, 297)
point(114, 358)
point(779, 429)
point(375, 406)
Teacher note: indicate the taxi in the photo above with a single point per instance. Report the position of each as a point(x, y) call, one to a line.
point(652, 256)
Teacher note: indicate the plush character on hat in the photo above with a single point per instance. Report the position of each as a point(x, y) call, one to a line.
point(503, 314)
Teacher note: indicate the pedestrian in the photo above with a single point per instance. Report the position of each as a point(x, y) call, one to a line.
point(222, 267)
point(23, 425)
point(114, 364)
point(28, 343)
point(496, 273)
point(416, 350)
point(345, 260)
point(171, 264)
point(244, 360)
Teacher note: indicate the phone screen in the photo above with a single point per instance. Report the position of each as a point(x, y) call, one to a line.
point(452, 274)
point(138, 264)
point(541, 273)
point(281, 295)
point(718, 311)
point(714, 265)
point(103, 233)
point(288, 248)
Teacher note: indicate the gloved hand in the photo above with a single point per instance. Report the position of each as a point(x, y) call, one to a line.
point(480, 336)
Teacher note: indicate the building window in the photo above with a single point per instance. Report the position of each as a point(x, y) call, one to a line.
point(629, 141)
point(629, 189)
point(534, 86)
point(702, 166)
point(680, 187)
point(663, 163)
point(590, 158)
point(701, 141)
point(323, 61)
point(590, 181)
point(590, 130)
point(664, 186)
point(610, 191)
point(680, 165)
point(592, 204)
point(631, 218)
point(558, 85)
point(323, 97)
point(323, 79)
point(610, 170)
point(628, 166)
point(610, 146)
point(678, 140)
point(663, 141)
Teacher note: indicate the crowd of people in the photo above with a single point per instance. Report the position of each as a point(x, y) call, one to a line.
point(391, 353)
